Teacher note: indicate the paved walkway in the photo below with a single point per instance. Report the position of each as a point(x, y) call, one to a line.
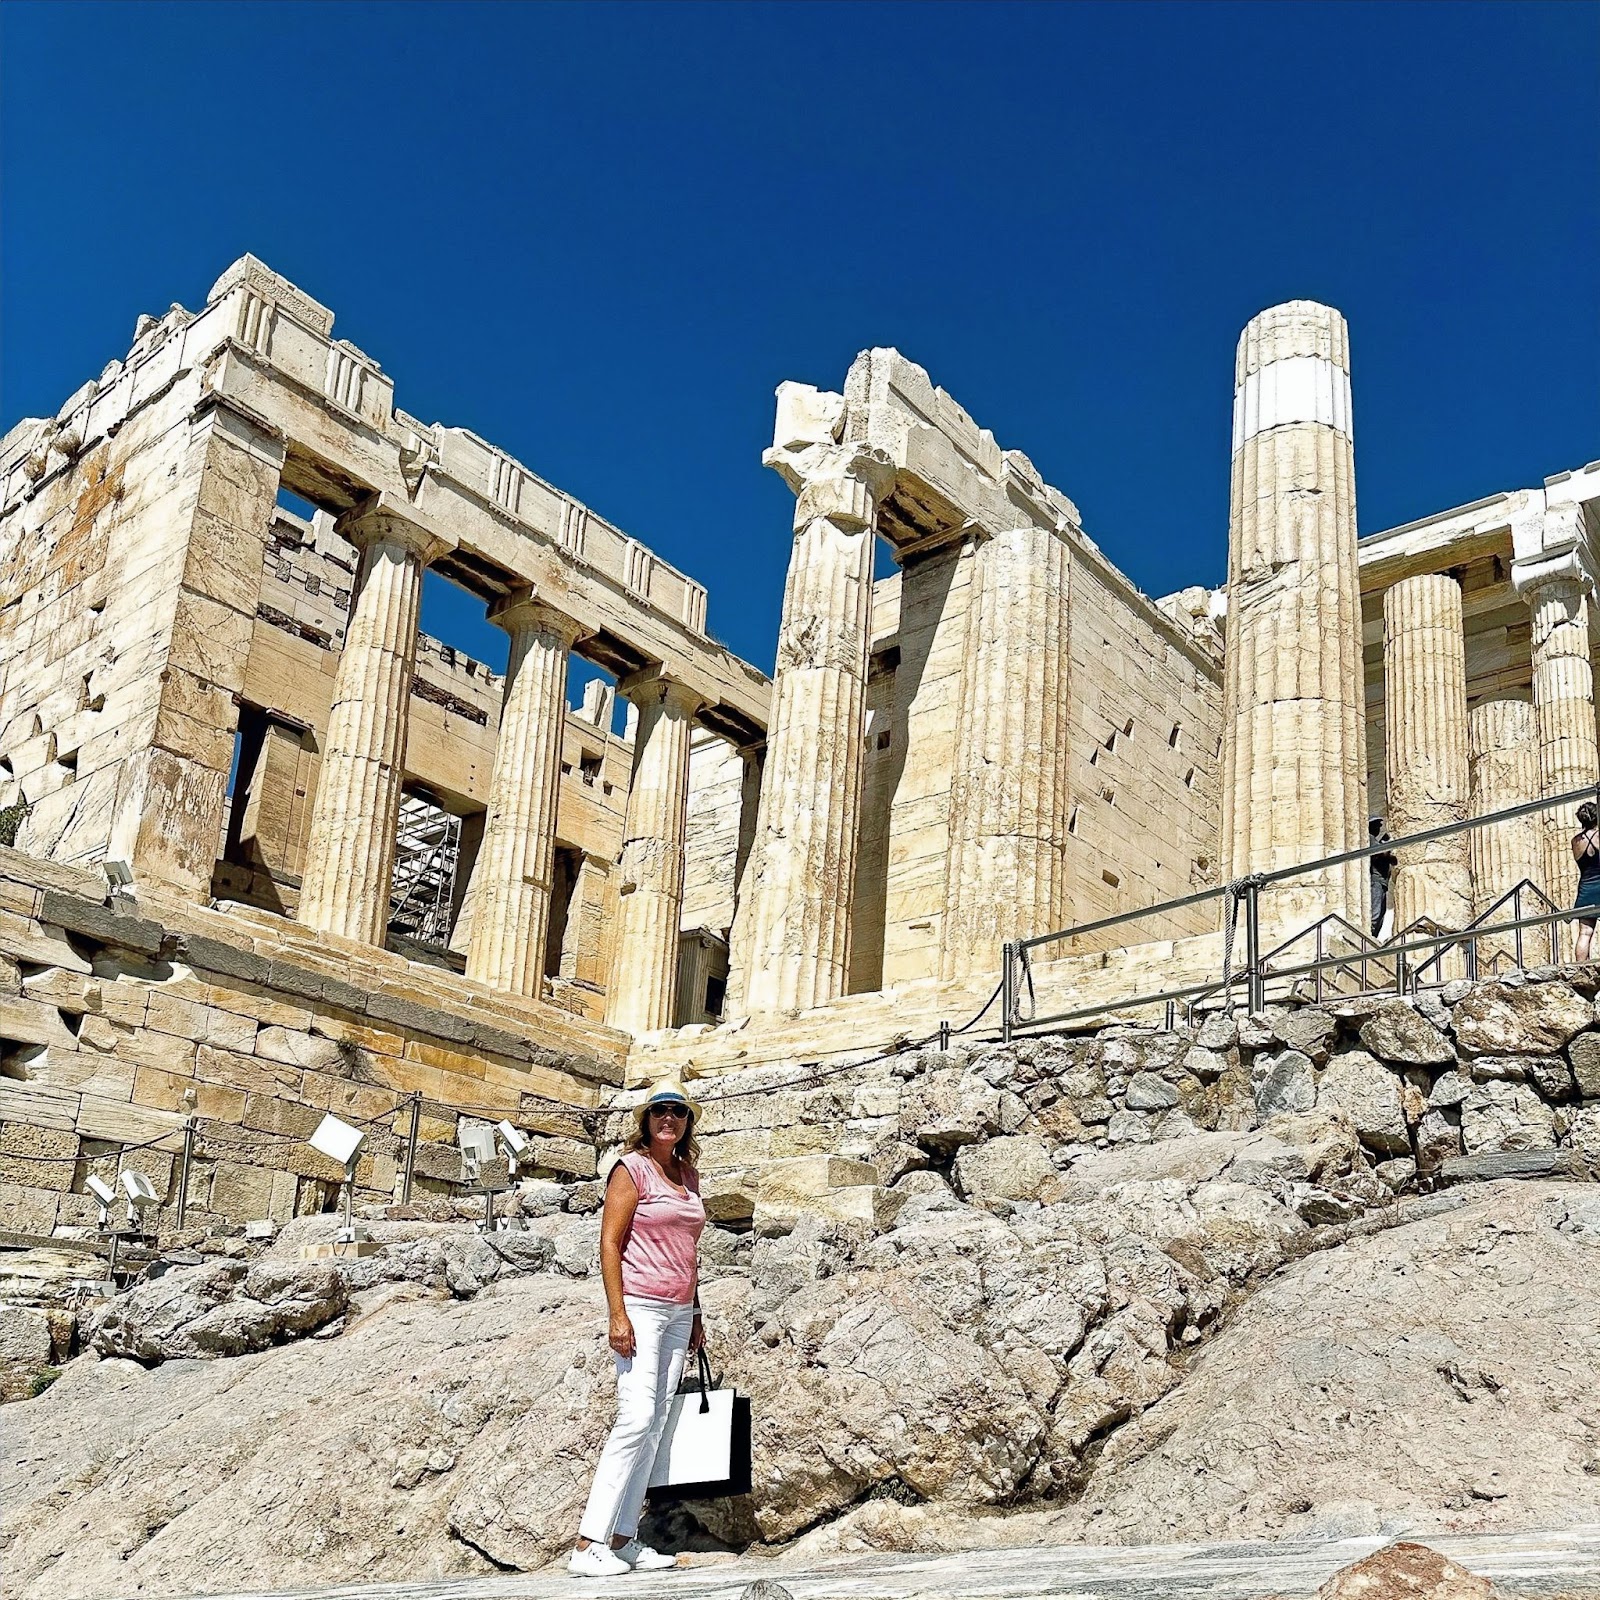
point(1540, 1566)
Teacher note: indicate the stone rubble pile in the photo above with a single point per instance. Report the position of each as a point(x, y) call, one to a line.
point(1433, 1087)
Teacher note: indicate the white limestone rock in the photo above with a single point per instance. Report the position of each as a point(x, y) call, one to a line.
point(1505, 1116)
point(1369, 1094)
point(1011, 1168)
point(1395, 1032)
point(1284, 1083)
point(1505, 1019)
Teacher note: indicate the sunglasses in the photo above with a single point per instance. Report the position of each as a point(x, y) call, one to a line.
point(670, 1109)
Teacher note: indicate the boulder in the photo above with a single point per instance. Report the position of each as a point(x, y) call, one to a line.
point(1206, 1064)
point(1302, 1028)
point(1438, 1138)
point(943, 1110)
point(1009, 1168)
point(1505, 1116)
point(1395, 1032)
point(1449, 1089)
point(221, 1309)
point(1147, 1092)
point(1584, 1054)
point(1506, 1019)
point(1369, 1094)
point(1407, 1571)
point(1284, 1084)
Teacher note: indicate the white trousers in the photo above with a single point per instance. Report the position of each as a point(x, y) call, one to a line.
point(646, 1383)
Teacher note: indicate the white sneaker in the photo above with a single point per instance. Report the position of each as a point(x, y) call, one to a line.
point(596, 1561)
point(643, 1559)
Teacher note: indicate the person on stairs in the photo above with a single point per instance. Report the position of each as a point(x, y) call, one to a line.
point(1586, 852)
point(649, 1243)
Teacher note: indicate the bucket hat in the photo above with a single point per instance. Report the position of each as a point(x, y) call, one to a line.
point(668, 1089)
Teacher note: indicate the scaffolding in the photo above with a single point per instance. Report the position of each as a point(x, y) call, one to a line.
point(422, 892)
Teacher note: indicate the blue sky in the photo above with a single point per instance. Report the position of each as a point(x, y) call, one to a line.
point(600, 235)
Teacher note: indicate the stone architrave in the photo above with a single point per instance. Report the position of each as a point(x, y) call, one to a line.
point(1425, 720)
point(1556, 587)
point(796, 937)
point(1294, 719)
point(1503, 753)
point(1006, 869)
point(512, 883)
point(643, 990)
point(351, 846)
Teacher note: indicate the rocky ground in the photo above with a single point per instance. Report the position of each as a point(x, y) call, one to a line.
point(909, 1382)
point(1133, 1289)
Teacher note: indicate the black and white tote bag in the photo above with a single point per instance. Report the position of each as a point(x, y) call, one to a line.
point(705, 1447)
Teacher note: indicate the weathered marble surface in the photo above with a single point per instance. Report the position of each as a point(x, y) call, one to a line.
point(1560, 1565)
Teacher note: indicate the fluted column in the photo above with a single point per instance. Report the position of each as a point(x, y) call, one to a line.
point(1006, 872)
point(1294, 720)
point(1556, 588)
point(644, 972)
point(351, 846)
point(511, 887)
point(1503, 753)
point(1425, 744)
point(796, 939)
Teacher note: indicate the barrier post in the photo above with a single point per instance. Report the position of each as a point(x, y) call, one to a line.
point(1008, 990)
point(183, 1167)
point(411, 1145)
point(1252, 944)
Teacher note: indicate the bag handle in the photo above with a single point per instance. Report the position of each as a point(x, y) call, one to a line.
point(705, 1380)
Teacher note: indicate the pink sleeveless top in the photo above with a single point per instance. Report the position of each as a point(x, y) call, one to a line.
point(658, 1255)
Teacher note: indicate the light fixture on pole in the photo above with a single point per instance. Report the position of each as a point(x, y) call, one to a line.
point(341, 1144)
point(105, 1197)
point(142, 1197)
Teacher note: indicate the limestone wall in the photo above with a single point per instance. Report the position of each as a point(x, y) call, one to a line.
point(127, 587)
point(118, 1020)
point(1146, 726)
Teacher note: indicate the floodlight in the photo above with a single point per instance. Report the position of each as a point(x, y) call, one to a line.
point(104, 1194)
point(141, 1195)
point(118, 873)
point(476, 1142)
point(515, 1141)
point(338, 1141)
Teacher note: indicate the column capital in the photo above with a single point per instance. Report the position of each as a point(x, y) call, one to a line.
point(527, 608)
point(379, 519)
point(843, 482)
point(654, 683)
point(1532, 575)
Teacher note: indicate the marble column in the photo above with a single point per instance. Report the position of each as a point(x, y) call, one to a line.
point(1557, 588)
point(1425, 745)
point(642, 993)
point(511, 887)
point(1503, 756)
point(1006, 869)
point(801, 878)
point(1294, 721)
point(351, 847)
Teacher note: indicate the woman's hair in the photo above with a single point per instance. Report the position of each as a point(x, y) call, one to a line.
point(1587, 815)
point(687, 1149)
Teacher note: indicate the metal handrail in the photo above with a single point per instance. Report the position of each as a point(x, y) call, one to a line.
point(1259, 965)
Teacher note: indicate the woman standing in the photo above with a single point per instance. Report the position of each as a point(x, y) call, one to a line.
point(649, 1235)
point(1586, 852)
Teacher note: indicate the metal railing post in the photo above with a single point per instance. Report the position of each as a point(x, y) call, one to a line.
point(411, 1146)
point(944, 1038)
point(183, 1168)
point(1008, 990)
point(1252, 945)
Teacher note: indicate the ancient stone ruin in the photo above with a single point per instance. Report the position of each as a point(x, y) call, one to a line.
point(276, 853)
